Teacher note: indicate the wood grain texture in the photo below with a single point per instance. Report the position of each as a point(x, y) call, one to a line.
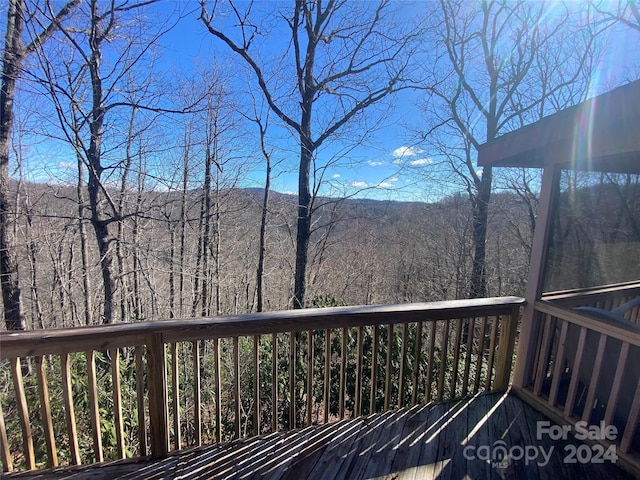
point(156, 378)
point(23, 413)
point(425, 442)
point(5, 453)
point(45, 412)
point(103, 337)
point(94, 407)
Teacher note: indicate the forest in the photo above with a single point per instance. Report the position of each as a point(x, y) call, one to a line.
point(134, 187)
point(370, 252)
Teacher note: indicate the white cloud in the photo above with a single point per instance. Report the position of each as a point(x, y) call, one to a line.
point(402, 152)
point(67, 165)
point(420, 161)
point(336, 175)
point(359, 184)
point(388, 183)
point(374, 163)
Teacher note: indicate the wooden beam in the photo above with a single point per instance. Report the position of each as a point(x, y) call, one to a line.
point(529, 326)
point(102, 337)
point(601, 133)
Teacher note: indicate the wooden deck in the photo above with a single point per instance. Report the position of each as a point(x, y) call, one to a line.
point(439, 440)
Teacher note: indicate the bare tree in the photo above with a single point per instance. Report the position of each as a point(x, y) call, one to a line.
point(345, 57)
point(262, 249)
point(625, 12)
point(14, 54)
point(89, 80)
point(499, 65)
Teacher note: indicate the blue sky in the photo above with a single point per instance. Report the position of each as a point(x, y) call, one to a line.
point(379, 168)
point(388, 165)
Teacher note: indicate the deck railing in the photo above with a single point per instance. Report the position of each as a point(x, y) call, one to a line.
point(89, 394)
point(587, 369)
point(606, 297)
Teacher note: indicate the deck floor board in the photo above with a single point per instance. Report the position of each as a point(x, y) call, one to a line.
point(423, 442)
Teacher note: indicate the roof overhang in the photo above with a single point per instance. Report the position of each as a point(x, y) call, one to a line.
point(600, 134)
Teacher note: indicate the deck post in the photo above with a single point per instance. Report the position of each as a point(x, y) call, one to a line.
point(157, 385)
point(531, 322)
point(506, 345)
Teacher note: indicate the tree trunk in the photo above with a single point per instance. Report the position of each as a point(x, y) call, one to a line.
point(303, 232)
point(206, 234)
point(263, 227)
point(183, 227)
point(217, 239)
point(84, 249)
point(94, 160)
point(11, 61)
point(478, 282)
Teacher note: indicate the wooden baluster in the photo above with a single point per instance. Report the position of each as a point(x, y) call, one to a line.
point(480, 353)
point(632, 422)
point(443, 361)
point(45, 412)
point(94, 409)
point(256, 384)
point(157, 385)
point(197, 396)
point(558, 364)
point(274, 383)
point(343, 371)
point(140, 387)
point(217, 385)
point(612, 403)
point(175, 396)
point(537, 334)
point(327, 373)
point(387, 373)
point(5, 453)
point(467, 356)
point(416, 363)
point(432, 349)
point(543, 359)
point(358, 392)
point(597, 366)
point(23, 412)
point(236, 385)
point(374, 369)
point(403, 365)
point(456, 357)
point(504, 370)
point(634, 315)
point(573, 384)
point(292, 380)
point(309, 376)
point(117, 400)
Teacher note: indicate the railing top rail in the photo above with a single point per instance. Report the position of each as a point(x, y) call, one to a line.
point(584, 320)
point(601, 290)
point(101, 337)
